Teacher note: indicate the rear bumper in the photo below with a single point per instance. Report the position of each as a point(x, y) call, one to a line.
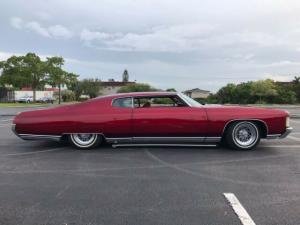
point(35, 136)
point(286, 133)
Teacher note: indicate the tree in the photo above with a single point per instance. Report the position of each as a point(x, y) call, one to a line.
point(296, 80)
point(171, 90)
point(285, 96)
point(264, 90)
point(91, 87)
point(57, 76)
point(76, 87)
point(136, 88)
point(226, 94)
point(296, 87)
point(20, 71)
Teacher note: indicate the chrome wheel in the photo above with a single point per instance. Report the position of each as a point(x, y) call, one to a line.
point(84, 140)
point(245, 134)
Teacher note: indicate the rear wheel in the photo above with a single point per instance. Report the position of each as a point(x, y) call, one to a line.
point(85, 141)
point(242, 135)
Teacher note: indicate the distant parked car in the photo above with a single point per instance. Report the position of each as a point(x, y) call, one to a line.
point(46, 100)
point(26, 99)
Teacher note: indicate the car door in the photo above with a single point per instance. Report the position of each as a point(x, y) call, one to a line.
point(119, 125)
point(168, 123)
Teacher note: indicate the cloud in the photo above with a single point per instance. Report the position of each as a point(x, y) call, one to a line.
point(37, 28)
point(87, 35)
point(178, 38)
point(6, 55)
point(16, 22)
point(56, 31)
point(276, 77)
point(59, 31)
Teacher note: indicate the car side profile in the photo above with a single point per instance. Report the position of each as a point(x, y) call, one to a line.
point(152, 118)
point(25, 99)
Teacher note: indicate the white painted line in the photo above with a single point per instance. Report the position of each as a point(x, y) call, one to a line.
point(293, 138)
point(5, 125)
point(35, 152)
point(6, 120)
point(239, 210)
point(279, 146)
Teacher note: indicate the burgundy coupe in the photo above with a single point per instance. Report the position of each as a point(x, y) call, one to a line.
point(152, 118)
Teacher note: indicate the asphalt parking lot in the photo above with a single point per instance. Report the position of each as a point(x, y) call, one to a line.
point(44, 182)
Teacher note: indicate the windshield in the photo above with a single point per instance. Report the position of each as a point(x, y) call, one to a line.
point(189, 100)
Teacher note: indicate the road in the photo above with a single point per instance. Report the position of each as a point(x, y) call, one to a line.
point(44, 182)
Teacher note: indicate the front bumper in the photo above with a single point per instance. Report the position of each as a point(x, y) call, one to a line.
point(286, 133)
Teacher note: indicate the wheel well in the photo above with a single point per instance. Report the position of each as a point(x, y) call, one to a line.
point(261, 125)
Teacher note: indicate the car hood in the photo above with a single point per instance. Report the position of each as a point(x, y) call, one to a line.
point(247, 109)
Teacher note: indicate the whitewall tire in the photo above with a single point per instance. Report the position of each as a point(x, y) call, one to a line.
point(85, 141)
point(243, 135)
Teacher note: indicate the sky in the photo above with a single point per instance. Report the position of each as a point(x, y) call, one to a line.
point(166, 43)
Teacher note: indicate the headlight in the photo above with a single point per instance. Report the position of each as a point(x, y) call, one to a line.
point(287, 121)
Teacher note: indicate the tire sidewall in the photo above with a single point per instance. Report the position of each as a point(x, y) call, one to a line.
point(230, 139)
point(98, 140)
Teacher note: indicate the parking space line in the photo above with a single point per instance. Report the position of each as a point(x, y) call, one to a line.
point(239, 210)
point(6, 120)
point(33, 152)
point(279, 146)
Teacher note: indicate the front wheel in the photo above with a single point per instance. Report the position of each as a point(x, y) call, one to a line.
point(85, 141)
point(243, 135)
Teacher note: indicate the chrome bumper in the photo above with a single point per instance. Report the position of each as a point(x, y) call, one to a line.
point(286, 133)
point(35, 136)
point(13, 128)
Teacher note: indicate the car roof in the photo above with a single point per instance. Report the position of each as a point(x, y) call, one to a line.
point(141, 94)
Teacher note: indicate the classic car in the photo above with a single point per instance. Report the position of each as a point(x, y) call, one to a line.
point(152, 118)
point(46, 100)
point(25, 99)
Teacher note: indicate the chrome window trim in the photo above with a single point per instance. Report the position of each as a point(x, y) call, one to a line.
point(178, 95)
point(132, 103)
point(160, 96)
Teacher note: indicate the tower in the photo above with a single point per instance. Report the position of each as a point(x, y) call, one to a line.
point(125, 76)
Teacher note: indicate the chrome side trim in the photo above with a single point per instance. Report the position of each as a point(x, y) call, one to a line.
point(276, 136)
point(249, 119)
point(168, 139)
point(162, 140)
point(212, 139)
point(169, 145)
point(119, 140)
point(39, 137)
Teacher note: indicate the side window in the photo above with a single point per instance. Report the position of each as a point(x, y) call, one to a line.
point(122, 102)
point(146, 102)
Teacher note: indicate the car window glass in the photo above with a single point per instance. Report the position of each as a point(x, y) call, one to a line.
point(123, 102)
point(147, 102)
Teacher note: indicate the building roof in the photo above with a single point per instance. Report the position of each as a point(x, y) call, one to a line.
point(116, 83)
point(197, 90)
